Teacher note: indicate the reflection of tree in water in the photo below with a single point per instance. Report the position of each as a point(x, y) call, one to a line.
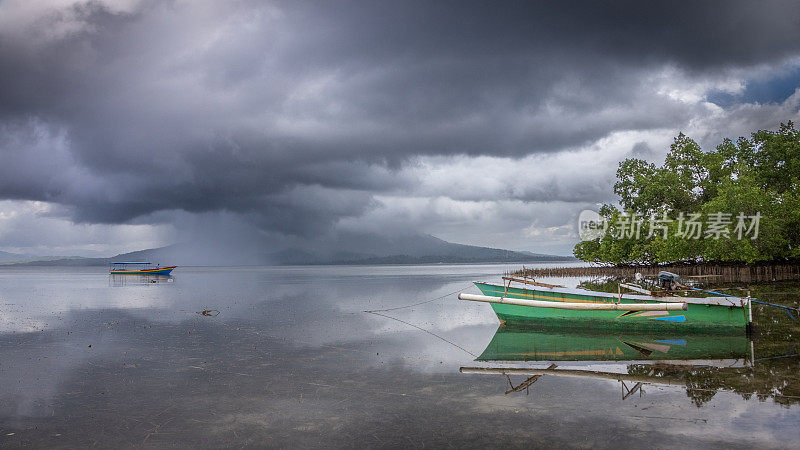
point(778, 379)
point(776, 372)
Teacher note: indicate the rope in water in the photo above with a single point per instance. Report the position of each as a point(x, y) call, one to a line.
point(787, 309)
point(778, 293)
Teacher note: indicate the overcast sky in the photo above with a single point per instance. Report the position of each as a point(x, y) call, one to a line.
point(133, 124)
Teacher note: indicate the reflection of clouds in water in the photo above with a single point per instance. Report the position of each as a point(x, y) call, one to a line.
point(38, 299)
point(245, 292)
point(14, 319)
point(292, 359)
point(726, 417)
point(36, 365)
point(80, 306)
point(664, 413)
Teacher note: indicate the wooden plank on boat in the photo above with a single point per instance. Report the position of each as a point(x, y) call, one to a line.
point(636, 289)
point(531, 282)
point(594, 306)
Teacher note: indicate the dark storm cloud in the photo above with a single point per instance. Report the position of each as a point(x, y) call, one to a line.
point(295, 113)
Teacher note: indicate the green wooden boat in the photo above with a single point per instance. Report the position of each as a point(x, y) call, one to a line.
point(519, 344)
point(546, 306)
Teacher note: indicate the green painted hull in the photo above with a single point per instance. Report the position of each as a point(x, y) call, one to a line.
point(517, 344)
point(698, 318)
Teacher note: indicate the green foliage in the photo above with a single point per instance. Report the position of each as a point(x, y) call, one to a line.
point(759, 175)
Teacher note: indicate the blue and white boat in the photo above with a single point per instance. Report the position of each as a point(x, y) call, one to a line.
point(138, 268)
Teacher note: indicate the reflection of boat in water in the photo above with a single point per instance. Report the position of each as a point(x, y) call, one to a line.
point(517, 344)
point(543, 304)
point(666, 358)
point(138, 268)
point(132, 280)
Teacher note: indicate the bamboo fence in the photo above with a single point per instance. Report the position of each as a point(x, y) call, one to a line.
point(714, 273)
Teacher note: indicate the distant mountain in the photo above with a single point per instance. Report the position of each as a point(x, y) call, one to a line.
point(408, 249)
point(14, 258)
point(6, 257)
point(344, 248)
point(65, 261)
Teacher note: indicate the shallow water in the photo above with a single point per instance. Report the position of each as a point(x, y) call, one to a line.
point(286, 356)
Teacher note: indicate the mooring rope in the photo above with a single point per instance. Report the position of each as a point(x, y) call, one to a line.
point(419, 303)
point(378, 312)
point(787, 309)
point(423, 329)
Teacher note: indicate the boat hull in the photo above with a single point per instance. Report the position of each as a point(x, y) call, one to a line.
point(698, 317)
point(165, 271)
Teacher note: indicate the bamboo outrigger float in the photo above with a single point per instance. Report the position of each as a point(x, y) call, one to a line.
point(572, 373)
point(542, 304)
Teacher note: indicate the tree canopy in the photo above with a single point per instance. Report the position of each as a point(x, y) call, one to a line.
point(737, 203)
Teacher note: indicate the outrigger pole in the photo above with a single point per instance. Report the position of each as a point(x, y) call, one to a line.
point(594, 306)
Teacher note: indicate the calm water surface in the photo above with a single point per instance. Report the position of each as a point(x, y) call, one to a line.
point(286, 356)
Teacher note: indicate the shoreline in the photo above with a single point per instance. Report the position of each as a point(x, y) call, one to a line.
point(715, 272)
